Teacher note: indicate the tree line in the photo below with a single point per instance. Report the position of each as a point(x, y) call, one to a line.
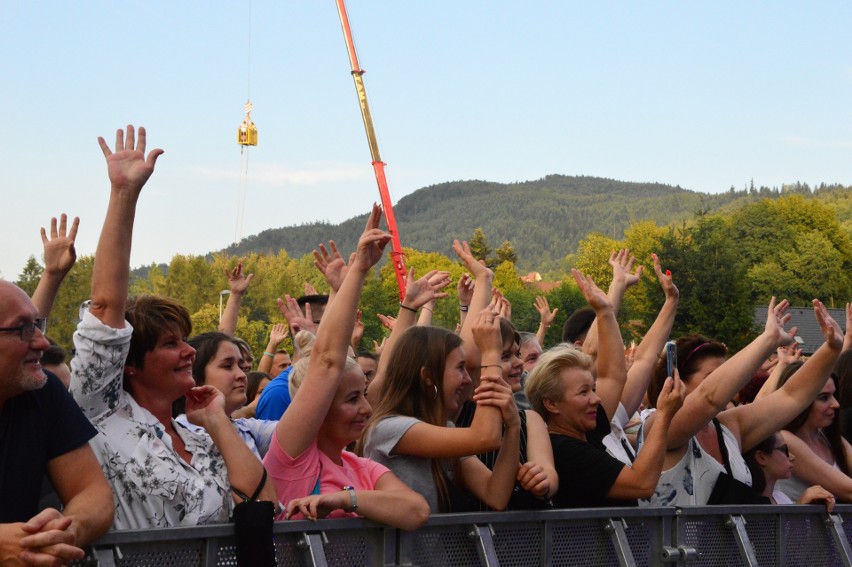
point(725, 263)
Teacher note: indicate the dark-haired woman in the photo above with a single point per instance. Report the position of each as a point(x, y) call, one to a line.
point(822, 456)
point(425, 386)
point(770, 462)
point(694, 458)
point(217, 363)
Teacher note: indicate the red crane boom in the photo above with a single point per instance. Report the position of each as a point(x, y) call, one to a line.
point(378, 165)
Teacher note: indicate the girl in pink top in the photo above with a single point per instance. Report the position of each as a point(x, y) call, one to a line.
point(313, 474)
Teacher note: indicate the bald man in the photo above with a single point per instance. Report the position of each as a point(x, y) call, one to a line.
point(42, 431)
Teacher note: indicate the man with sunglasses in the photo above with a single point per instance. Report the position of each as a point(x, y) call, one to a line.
point(42, 430)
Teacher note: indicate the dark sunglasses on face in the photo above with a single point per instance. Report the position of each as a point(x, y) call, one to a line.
point(783, 448)
point(27, 330)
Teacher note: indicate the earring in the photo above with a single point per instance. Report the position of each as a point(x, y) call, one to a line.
point(435, 393)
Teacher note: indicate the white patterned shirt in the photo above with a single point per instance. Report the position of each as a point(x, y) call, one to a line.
point(152, 485)
point(255, 433)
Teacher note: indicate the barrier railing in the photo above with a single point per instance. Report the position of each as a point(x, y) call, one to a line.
point(698, 536)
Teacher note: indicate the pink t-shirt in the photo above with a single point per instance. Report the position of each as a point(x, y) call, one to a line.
point(296, 478)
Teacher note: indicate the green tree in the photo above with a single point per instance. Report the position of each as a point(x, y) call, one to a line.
point(479, 245)
point(506, 253)
point(30, 276)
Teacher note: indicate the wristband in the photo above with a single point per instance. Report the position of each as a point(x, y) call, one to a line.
point(427, 309)
point(413, 310)
point(353, 500)
point(490, 365)
point(269, 354)
point(464, 308)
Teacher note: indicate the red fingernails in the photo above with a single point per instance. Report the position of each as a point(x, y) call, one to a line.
point(668, 272)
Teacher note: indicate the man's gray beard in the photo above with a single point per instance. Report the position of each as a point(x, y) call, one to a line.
point(32, 381)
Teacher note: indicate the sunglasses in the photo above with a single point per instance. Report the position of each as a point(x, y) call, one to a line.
point(783, 448)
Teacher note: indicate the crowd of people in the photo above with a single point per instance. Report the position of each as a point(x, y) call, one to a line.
point(157, 427)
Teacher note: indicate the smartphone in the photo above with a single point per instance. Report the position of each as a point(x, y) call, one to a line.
point(671, 358)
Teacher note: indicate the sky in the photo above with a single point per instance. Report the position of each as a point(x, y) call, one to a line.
point(704, 95)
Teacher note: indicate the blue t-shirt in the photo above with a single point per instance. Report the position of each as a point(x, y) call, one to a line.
point(275, 398)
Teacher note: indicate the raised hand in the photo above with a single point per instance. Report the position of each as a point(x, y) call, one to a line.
point(428, 288)
point(238, 282)
point(671, 396)
point(486, 331)
point(543, 308)
point(622, 268)
point(787, 355)
point(830, 329)
point(504, 306)
point(310, 290)
point(357, 331)
point(278, 333)
point(665, 279)
point(372, 244)
point(776, 318)
point(474, 266)
point(593, 294)
point(331, 264)
point(465, 289)
point(59, 252)
point(387, 321)
point(378, 347)
point(297, 320)
point(128, 168)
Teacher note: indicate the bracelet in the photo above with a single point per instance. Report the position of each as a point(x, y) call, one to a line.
point(427, 309)
point(413, 310)
point(353, 500)
point(269, 354)
point(464, 308)
point(490, 365)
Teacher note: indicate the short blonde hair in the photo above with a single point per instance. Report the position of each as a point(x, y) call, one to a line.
point(544, 383)
point(300, 371)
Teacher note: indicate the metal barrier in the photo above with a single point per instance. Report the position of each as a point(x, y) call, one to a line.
point(694, 537)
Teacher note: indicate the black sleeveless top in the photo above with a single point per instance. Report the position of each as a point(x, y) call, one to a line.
point(521, 499)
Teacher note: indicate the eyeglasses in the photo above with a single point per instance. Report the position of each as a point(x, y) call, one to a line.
point(27, 330)
point(783, 448)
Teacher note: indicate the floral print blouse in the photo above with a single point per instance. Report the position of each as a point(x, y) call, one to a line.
point(152, 485)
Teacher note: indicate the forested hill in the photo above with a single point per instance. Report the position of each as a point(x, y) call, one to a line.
point(543, 219)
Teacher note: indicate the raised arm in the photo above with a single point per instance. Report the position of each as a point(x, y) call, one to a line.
point(623, 277)
point(483, 277)
point(757, 421)
point(59, 258)
point(277, 334)
point(785, 356)
point(847, 337)
point(128, 170)
point(238, 283)
point(300, 424)
point(648, 351)
point(640, 479)
point(718, 388)
point(418, 292)
point(547, 316)
point(464, 289)
point(612, 369)
point(332, 266)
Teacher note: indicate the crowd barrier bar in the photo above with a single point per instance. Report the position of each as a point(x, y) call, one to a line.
point(660, 537)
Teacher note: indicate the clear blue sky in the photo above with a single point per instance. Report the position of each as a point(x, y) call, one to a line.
point(704, 95)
